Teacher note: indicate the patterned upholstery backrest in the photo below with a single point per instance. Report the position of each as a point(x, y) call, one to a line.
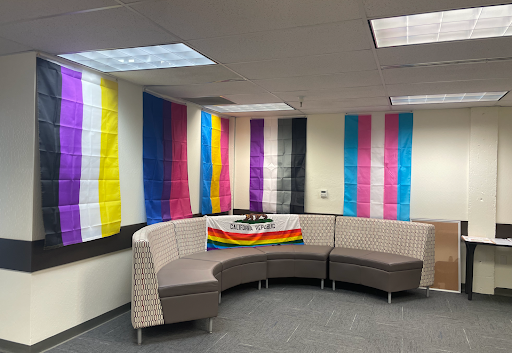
point(396, 237)
point(191, 235)
point(162, 243)
point(317, 229)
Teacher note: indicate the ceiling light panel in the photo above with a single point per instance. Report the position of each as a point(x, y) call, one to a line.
point(479, 22)
point(241, 108)
point(448, 98)
point(141, 58)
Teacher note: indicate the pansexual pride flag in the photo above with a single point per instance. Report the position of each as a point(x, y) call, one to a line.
point(231, 231)
point(378, 166)
point(78, 148)
point(215, 184)
point(278, 165)
point(166, 191)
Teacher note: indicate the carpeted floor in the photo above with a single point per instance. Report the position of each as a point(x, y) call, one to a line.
point(296, 316)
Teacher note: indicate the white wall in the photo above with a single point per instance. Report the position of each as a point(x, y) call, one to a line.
point(17, 130)
point(15, 306)
point(242, 156)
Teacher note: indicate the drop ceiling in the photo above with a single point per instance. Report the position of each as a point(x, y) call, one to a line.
point(270, 51)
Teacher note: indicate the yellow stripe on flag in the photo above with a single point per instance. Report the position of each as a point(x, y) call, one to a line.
point(216, 164)
point(109, 187)
point(252, 242)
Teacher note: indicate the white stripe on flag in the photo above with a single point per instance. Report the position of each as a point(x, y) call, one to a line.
point(377, 169)
point(270, 166)
point(90, 217)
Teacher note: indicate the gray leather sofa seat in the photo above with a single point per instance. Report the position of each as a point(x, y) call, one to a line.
point(384, 271)
point(239, 265)
point(189, 289)
point(307, 261)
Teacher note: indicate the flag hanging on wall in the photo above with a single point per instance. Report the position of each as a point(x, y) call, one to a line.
point(278, 165)
point(215, 183)
point(78, 148)
point(166, 190)
point(378, 166)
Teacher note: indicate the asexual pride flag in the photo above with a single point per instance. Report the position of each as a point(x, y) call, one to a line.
point(166, 191)
point(215, 182)
point(78, 147)
point(278, 165)
point(378, 166)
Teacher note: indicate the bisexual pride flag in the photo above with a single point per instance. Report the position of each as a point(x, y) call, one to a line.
point(378, 166)
point(215, 184)
point(278, 165)
point(166, 190)
point(78, 149)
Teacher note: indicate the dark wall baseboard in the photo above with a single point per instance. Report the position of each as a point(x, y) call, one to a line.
point(30, 256)
point(12, 347)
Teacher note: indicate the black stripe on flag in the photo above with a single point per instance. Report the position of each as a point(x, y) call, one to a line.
point(298, 177)
point(49, 98)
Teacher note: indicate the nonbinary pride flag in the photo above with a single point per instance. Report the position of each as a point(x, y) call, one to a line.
point(78, 147)
point(215, 183)
point(278, 165)
point(378, 166)
point(166, 190)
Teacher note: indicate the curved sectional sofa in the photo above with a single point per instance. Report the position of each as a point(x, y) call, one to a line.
point(175, 279)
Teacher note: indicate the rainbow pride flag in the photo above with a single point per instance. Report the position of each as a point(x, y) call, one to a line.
point(378, 166)
point(78, 148)
point(215, 184)
point(166, 190)
point(232, 231)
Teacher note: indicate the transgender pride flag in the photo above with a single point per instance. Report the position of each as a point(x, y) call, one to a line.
point(378, 166)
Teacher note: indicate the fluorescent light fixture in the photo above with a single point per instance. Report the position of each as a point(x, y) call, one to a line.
point(477, 22)
point(448, 98)
point(240, 108)
point(141, 58)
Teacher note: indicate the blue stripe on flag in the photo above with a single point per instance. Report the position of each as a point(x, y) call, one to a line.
point(405, 124)
point(351, 144)
point(206, 162)
point(153, 156)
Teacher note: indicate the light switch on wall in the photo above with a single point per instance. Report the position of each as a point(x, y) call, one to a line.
point(323, 194)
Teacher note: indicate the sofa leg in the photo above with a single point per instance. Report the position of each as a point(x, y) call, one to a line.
point(322, 284)
point(220, 295)
point(210, 325)
point(428, 291)
point(389, 297)
point(333, 285)
point(139, 336)
point(259, 285)
point(266, 283)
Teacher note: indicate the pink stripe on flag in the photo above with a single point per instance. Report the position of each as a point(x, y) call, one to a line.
point(364, 164)
point(180, 197)
point(224, 185)
point(391, 167)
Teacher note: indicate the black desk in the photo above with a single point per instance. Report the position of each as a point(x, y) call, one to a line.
point(470, 257)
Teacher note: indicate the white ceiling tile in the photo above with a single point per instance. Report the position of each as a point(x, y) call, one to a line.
point(360, 60)
point(494, 70)
point(390, 8)
point(206, 19)
point(447, 51)
point(208, 90)
point(334, 93)
point(286, 43)
point(16, 10)
point(179, 75)
point(347, 103)
point(253, 98)
point(348, 79)
point(113, 28)
point(10, 47)
point(496, 85)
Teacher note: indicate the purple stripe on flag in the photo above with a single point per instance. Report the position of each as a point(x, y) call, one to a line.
point(166, 189)
point(257, 156)
point(71, 119)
